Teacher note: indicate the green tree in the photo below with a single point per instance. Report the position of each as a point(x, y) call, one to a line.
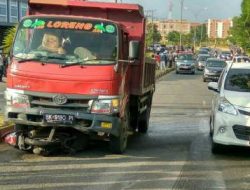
point(199, 34)
point(173, 37)
point(152, 35)
point(8, 39)
point(240, 32)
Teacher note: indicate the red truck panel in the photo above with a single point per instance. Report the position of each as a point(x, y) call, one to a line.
point(129, 16)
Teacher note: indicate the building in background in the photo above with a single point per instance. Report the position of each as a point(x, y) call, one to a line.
point(11, 11)
point(218, 28)
point(167, 26)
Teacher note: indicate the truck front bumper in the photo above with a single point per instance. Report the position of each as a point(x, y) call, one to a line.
point(84, 122)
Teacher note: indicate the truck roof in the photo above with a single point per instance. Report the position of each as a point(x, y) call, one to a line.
point(88, 4)
point(129, 16)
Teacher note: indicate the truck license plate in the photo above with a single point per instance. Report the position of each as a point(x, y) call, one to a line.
point(59, 118)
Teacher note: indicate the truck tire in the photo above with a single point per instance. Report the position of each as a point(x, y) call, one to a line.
point(119, 144)
point(144, 121)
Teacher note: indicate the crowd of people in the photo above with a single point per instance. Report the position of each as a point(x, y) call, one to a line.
point(164, 59)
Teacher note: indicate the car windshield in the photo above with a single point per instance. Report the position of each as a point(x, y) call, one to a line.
point(238, 80)
point(226, 53)
point(216, 64)
point(185, 57)
point(203, 52)
point(202, 58)
point(66, 41)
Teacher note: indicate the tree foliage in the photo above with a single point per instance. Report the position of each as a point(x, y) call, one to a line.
point(240, 32)
point(197, 33)
point(153, 35)
point(173, 37)
point(8, 39)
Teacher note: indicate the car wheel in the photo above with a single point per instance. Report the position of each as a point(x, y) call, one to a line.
point(211, 127)
point(176, 72)
point(204, 80)
point(216, 148)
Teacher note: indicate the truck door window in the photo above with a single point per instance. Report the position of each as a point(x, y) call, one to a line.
point(125, 43)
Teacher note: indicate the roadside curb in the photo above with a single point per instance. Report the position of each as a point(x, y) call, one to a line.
point(162, 73)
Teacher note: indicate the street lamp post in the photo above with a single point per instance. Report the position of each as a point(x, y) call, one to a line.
point(181, 2)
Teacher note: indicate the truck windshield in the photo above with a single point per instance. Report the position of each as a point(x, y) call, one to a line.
point(66, 41)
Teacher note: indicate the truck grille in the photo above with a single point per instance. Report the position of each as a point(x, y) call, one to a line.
point(73, 102)
point(242, 132)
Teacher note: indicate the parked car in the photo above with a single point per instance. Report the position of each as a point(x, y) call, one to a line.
point(225, 55)
point(230, 115)
point(185, 63)
point(201, 61)
point(203, 51)
point(213, 69)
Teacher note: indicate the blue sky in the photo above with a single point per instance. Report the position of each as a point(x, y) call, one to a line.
point(195, 10)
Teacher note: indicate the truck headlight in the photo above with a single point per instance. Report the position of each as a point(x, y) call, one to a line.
point(104, 106)
point(226, 107)
point(17, 100)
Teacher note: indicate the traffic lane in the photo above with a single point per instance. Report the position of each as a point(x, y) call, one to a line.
point(232, 167)
point(152, 161)
point(166, 158)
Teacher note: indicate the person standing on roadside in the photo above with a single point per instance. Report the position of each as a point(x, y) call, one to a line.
point(170, 59)
point(157, 59)
point(162, 61)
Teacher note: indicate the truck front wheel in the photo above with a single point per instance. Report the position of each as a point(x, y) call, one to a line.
point(119, 144)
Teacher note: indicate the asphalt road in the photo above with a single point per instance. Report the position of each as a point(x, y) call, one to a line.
point(175, 154)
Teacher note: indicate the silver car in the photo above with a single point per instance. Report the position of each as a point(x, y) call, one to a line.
point(201, 61)
point(185, 63)
point(213, 69)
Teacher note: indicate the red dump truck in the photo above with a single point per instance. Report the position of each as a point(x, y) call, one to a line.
point(78, 72)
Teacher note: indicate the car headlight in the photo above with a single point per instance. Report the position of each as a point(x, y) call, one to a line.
point(226, 107)
point(17, 100)
point(178, 63)
point(206, 70)
point(104, 106)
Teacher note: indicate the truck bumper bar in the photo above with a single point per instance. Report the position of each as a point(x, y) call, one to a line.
point(84, 122)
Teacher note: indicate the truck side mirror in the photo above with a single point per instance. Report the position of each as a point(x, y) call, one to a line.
point(134, 49)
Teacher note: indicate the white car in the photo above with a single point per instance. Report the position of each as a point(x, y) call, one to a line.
point(230, 115)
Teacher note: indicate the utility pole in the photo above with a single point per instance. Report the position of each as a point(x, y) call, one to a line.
point(181, 2)
point(150, 14)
